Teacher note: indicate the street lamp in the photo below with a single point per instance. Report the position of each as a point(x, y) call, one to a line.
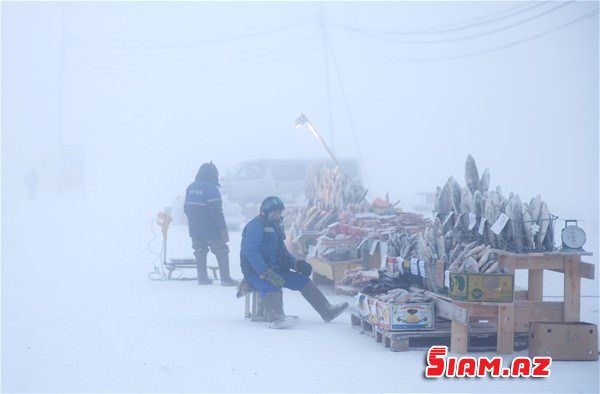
point(303, 121)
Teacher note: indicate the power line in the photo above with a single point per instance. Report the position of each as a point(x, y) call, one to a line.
point(456, 27)
point(493, 49)
point(473, 36)
point(514, 43)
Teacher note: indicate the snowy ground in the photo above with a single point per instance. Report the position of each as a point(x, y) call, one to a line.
point(80, 315)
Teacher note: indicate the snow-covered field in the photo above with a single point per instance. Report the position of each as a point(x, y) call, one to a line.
point(80, 315)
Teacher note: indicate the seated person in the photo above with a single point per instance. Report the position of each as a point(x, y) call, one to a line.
point(268, 266)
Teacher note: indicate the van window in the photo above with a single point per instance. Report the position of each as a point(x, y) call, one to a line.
point(289, 171)
point(251, 171)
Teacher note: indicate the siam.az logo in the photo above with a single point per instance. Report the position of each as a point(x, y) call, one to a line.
point(438, 365)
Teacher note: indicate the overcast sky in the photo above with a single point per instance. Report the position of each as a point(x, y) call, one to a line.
point(148, 91)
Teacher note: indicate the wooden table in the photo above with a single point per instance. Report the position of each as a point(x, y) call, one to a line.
point(527, 306)
point(569, 263)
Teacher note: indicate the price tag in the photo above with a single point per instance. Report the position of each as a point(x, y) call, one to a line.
point(414, 267)
point(472, 220)
point(422, 269)
point(447, 279)
point(500, 223)
point(400, 265)
point(481, 225)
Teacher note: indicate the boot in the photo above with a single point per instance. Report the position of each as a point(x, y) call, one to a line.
point(317, 300)
point(203, 278)
point(273, 305)
point(223, 262)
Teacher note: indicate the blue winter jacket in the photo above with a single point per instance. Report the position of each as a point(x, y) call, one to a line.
point(204, 209)
point(263, 248)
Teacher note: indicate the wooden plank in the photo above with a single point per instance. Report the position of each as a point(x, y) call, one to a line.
point(459, 337)
point(521, 295)
point(450, 311)
point(532, 311)
point(480, 309)
point(512, 262)
point(502, 252)
point(535, 284)
point(505, 263)
point(506, 328)
point(572, 282)
point(586, 270)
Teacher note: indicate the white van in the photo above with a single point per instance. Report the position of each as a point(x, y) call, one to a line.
point(253, 180)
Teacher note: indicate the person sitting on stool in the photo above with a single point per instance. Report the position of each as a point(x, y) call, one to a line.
point(268, 266)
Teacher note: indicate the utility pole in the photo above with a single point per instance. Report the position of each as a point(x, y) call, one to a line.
point(327, 76)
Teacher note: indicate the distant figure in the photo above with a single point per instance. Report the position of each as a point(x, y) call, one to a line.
point(268, 266)
point(31, 182)
point(206, 222)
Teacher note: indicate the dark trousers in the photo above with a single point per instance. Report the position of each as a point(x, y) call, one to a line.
point(218, 248)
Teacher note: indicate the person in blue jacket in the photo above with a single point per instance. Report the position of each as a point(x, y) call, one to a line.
point(206, 222)
point(268, 266)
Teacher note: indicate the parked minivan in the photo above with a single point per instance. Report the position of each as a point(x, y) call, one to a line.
point(251, 181)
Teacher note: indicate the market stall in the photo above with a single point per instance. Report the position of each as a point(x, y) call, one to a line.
point(460, 264)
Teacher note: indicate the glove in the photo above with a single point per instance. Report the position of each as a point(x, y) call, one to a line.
point(224, 235)
point(303, 267)
point(273, 278)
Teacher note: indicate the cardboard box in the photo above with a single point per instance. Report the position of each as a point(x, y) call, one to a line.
point(407, 316)
point(564, 341)
point(481, 287)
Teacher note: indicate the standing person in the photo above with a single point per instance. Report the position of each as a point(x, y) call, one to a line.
point(204, 210)
point(268, 266)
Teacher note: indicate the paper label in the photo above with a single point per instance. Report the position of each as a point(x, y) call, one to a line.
point(447, 279)
point(414, 267)
point(472, 220)
point(383, 248)
point(422, 269)
point(500, 223)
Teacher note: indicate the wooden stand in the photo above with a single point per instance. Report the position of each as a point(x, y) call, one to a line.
point(568, 263)
point(528, 306)
point(333, 270)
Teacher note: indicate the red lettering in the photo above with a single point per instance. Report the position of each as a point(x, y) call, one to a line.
point(494, 365)
point(521, 366)
point(451, 367)
point(466, 365)
point(435, 361)
point(541, 367)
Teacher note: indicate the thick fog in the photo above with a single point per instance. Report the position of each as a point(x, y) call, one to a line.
point(113, 107)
